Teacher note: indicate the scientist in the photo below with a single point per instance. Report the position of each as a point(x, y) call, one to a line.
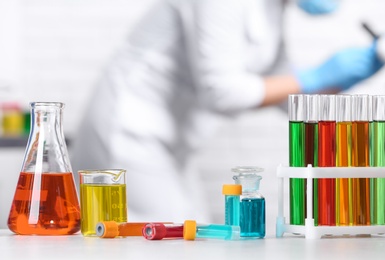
point(187, 65)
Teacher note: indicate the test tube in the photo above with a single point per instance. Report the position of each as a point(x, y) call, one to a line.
point(296, 158)
point(371, 161)
point(360, 158)
point(326, 158)
point(158, 231)
point(372, 181)
point(311, 145)
point(111, 229)
point(232, 194)
point(344, 210)
point(378, 154)
point(371, 133)
point(192, 230)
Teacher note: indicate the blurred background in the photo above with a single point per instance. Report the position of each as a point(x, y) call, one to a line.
point(55, 50)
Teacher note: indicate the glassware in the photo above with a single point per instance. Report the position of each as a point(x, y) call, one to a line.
point(158, 231)
point(112, 229)
point(102, 198)
point(192, 230)
point(297, 158)
point(45, 200)
point(326, 158)
point(311, 147)
point(232, 194)
point(360, 158)
point(252, 214)
point(378, 154)
point(344, 199)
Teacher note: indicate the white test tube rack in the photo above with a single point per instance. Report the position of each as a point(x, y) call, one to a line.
point(309, 230)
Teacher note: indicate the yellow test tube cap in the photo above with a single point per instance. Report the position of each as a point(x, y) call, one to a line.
point(189, 229)
point(232, 189)
point(107, 229)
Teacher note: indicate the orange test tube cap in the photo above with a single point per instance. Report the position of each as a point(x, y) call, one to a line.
point(107, 229)
point(189, 229)
point(232, 189)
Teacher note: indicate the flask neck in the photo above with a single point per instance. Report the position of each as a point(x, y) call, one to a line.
point(46, 122)
point(46, 149)
point(46, 113)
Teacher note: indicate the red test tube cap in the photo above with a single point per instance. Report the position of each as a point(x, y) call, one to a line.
point(154, 231)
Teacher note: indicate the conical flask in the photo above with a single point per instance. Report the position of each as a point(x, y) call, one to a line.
point(45, 200)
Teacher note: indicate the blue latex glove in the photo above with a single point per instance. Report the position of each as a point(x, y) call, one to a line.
point(343, 70)
point(317, 7)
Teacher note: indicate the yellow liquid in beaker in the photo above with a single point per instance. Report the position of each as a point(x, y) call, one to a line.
point(101, 203)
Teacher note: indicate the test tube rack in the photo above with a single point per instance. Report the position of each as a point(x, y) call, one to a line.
point(309, 230)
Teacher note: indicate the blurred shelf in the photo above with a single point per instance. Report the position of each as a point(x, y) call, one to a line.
point(17, 141)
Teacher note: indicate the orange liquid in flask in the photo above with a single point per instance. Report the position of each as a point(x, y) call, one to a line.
point(45, 204)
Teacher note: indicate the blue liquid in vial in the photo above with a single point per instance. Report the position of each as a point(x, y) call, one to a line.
point(252, 220)
point(232, 208)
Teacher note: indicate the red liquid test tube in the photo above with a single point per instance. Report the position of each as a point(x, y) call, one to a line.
point(158, 231)
point(326, 158)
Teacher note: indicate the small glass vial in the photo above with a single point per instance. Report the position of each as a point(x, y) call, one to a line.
point(252, 210)
point(232, 194)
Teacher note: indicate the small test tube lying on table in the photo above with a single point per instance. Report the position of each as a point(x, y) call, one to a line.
point(192, 230)
point(111, 229)
point(158, 231)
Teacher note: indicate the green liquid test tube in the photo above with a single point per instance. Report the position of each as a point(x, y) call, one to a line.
point(378, 153)
point(296, 159)
point(372, 181)
point(192, 230)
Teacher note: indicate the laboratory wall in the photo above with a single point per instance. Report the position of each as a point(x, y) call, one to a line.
point(55, 50)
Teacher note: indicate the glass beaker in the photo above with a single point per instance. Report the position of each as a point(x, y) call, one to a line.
point(253, 213)
point(102, 198)
point(45, 200)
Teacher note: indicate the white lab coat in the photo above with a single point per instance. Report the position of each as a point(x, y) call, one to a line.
point(187, 64)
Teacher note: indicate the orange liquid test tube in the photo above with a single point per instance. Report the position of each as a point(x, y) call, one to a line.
point(111, 229)
point(360, 158)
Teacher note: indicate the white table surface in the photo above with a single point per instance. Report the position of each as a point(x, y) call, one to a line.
point(288, 247)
